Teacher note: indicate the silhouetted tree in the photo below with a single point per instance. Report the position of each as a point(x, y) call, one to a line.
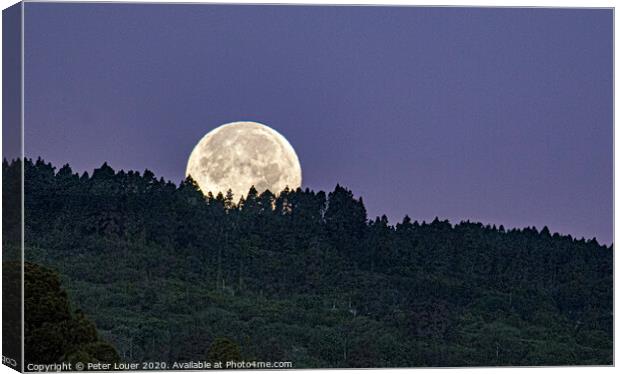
point(162, 269)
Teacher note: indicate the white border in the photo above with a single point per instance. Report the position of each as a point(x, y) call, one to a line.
point(475, 3)
point(479, 3)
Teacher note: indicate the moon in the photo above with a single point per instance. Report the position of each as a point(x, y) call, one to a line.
point(240, 155)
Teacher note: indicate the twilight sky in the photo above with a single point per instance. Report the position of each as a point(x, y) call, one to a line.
point(495, 115)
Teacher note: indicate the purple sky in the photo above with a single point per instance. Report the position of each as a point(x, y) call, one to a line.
point(495, 115)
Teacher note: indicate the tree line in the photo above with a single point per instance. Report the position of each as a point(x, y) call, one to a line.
point(165, 271)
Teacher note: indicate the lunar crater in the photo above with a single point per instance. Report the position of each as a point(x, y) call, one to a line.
point(239, 155)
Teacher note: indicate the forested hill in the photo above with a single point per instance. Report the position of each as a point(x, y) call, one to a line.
point(306, 277)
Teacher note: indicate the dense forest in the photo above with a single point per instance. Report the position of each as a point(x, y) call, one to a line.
point(53, 331)
point(167, 273)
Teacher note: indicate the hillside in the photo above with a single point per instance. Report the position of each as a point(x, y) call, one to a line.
point(166, 272)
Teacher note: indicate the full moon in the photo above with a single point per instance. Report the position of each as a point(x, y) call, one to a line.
point(240, 155)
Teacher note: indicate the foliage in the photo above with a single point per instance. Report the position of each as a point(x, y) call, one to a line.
point(52, 332)
point(223, 349)
point(167, 272)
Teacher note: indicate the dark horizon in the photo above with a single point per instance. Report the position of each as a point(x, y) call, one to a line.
point(392, 222)
point(494, 115)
